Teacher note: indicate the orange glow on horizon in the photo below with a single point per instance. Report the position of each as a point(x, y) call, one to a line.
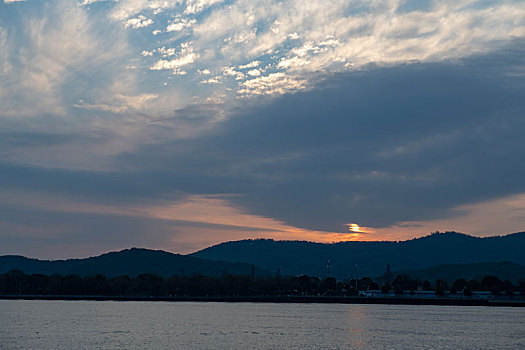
point(204, 220)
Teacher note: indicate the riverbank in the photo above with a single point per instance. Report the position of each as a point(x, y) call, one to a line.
point(283, 299)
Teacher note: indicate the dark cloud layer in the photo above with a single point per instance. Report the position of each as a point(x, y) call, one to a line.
point(378, 147)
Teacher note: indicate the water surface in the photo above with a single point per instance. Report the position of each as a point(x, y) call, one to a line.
point(196, 325)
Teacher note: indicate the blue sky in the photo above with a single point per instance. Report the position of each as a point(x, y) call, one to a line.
point(180, 124)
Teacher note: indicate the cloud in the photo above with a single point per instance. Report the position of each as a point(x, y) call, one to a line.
point(290, 41)
point(176, 63)
point(196, 6)
point(4, 63)
point(139, 22)
point(345, 36)
point(77, 234)
point(180, 24)
point(127, 8)
point(209, 219)
point(166, 52)
point(89, 2)
point(50, 60)
point(491, 217)
point(254, 72)
point(252, 64)
point(272, 84)
point(122, 103)
point(211, 81)
point(379, 147)
point(310, 114)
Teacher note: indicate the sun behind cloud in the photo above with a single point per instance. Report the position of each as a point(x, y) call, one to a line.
point(353, 227)
point(356, 232)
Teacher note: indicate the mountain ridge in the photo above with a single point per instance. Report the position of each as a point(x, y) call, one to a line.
point(130, 262)
point(268, 256)
point(310, 258)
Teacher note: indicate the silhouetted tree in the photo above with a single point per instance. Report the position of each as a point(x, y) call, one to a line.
point(305, 284)
point(426, 285)
point(54, 285)
point(472, 285)
point(71, 284)
point(330, 283)
point(458, 285)
point(366, 283)
point(441, 286)
point(16, 282)
point(37, 284)
point(521, 287)
point(404, 282)
point(493, 284)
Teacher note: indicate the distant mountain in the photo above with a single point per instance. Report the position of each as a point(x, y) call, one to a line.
point(130, 262)
point(447, 255)
point(505, 270)
point(299, 257)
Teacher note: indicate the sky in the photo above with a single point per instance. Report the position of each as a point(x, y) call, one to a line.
point(179, 124)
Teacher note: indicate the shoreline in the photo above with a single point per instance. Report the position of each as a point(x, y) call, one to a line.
point(282, 299)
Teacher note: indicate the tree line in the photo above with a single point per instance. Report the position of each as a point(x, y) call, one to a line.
point(16, 282)
point(404, 283)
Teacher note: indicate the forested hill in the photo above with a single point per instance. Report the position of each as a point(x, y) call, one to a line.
point(298, 257)
point(130, 262)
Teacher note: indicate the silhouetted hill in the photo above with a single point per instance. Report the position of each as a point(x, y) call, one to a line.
point(299, 257)
point(504, 270)
point(130, 262)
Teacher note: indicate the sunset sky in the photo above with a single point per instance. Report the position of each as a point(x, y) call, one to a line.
point(179, 124)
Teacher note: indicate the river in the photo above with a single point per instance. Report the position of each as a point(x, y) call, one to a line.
point(206, 325)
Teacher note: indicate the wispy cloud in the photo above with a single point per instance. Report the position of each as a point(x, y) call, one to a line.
point(127, 8)
point(122, 103)
point(344, 36)
point(50, 55)
point(293, 41)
